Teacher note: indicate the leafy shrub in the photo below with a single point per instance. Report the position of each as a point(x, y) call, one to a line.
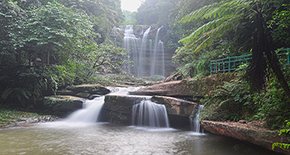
point(232, 101)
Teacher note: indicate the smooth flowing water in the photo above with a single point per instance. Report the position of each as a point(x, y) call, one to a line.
point(60, 138)
point(195, 118)
point(148, 113)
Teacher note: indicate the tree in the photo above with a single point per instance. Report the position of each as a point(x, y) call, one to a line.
point(225, 16)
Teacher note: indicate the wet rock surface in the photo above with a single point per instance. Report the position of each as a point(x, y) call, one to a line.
point(186, 88)
point(28, 121)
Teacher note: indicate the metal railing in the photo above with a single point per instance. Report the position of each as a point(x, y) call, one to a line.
point(230, 64)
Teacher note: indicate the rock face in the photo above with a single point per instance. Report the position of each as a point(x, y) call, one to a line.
point(252, 134)
point(118, 109)
point(187, 88)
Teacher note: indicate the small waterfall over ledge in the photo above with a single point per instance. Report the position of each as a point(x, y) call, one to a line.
point(148, 113)
point(194, 119)
point(89, 113)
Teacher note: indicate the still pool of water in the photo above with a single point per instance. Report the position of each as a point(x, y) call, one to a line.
point(110, 139)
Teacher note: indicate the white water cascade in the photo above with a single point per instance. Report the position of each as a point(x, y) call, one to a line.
point(155, 53)
point(89, 113)
point(194, 119)
point(92, 108)
point(147, 55)
point(150, 114)
point(142, 54)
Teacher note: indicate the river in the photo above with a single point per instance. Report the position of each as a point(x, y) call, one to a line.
point(83, 137)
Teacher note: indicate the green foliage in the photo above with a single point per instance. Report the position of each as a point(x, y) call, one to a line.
point(232, 101)
point(283, 131)
point(47, 45)
point(280, 24)
point(274, 102)
point(7, 116)
point(130, 18)
point(22, 83)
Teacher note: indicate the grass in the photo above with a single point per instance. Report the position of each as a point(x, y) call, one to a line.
point(7, 116)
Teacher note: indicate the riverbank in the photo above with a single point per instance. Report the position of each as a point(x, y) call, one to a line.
point(12, 118)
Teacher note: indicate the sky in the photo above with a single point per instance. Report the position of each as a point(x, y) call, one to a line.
point(131, 5)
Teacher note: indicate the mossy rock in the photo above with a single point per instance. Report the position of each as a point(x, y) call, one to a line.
point(60, 105)
point(89, 88)
point(83, 95)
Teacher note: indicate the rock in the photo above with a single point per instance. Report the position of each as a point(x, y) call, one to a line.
point(187, 88)
point(252, 134)
point(174, 77)
point(84, 91)
point(242, 121)
point(60, 105)
point(93, 96)
point(175, 106)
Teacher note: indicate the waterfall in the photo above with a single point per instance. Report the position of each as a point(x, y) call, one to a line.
point(131, 43)
point(163, 60)
point(92, 108)
point(194, 118)
point(142, 54)
point(148, 113)
point(89, 113)
point(154, 54)
point(146, 55)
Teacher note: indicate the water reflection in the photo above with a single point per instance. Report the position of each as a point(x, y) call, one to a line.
point(65, 138)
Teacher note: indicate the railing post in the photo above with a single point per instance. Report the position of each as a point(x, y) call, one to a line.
point(229, 69)
point(288, 55)
point(210, 66)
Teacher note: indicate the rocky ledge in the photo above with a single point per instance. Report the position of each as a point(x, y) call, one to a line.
point(187, 88)
point(247, 132)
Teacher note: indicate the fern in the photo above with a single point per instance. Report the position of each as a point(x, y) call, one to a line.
point(225, 14)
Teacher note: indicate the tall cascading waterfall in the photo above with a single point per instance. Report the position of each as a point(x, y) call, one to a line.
point(144, 52)
point(131, 43)
point(155, 53)
point(194, 118)
point(150, 114)
point(163, 59)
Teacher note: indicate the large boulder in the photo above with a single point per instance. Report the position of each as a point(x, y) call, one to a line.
point(187, 88)
point(118, 109)
point(247, 132)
